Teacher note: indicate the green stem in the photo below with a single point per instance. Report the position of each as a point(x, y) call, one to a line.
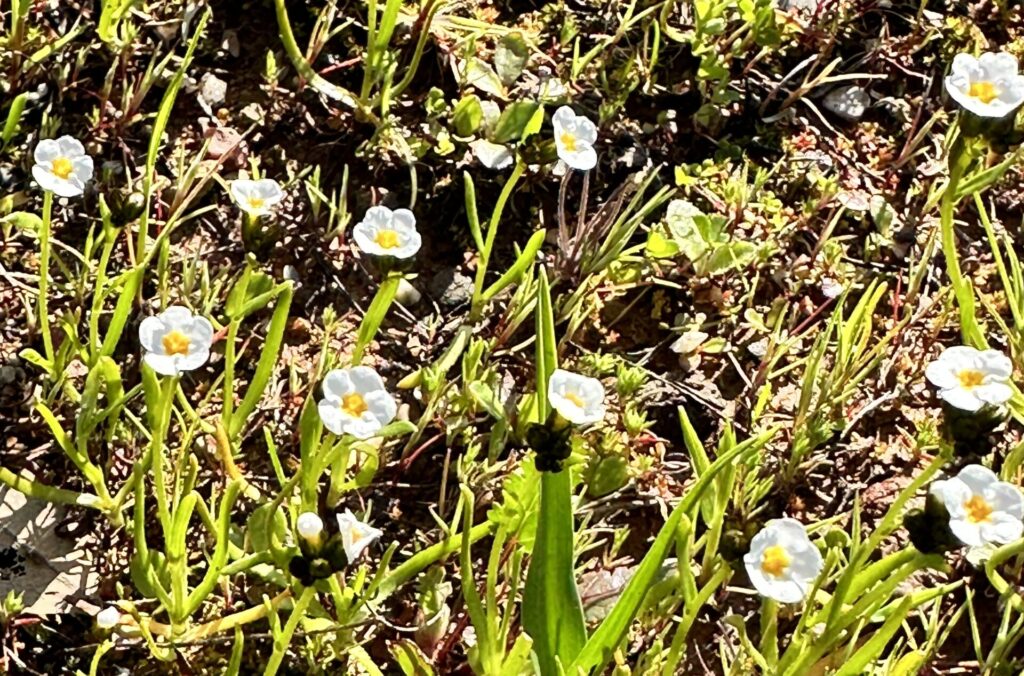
point(109, 239)
point(44, 278)
point(960, 156)
point(34, 489)
point(283, 639)
point(492, 232)
point(157, 456)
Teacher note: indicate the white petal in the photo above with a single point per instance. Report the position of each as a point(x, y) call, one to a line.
point(331, 416)
point(151, 332)
point(967, 532)
point(363, 427)
point(382, 406)
point(403, 217)
point(379, 216)
point(995, 394)
point(1002, 528)
point(364, 379)
point(586, 131)
point(46, 152)
point(337, 384)
point(584, 158)
point(269, 191)
point(1006, 498)
point(70, 147)
point(562, 117)
point(201, 332)
point(82, 168)
point(365, 236)
point(996, 363)
point(196, 357)
point(177, 317)
point(977, 478)
point(953, 493)
point(161, 363)
point(942, 375)
point(960, 398)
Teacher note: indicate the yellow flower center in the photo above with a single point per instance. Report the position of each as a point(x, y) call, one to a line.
point(978, 510)
point(354, 533)
point(176, 342)
point(775, 561)
point(568, 141)
point(354, 405)
point(983, 91)
point(62, 167)
point(387, 239)
point(255, 202)
point(970, 379)
point(574, 398)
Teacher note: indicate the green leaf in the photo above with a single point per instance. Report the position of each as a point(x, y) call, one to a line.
point(510, 57)
point(23, 220)
point(515, 273)
point(468, 115)
point(732, 256)
point(876, 644)
point(268, 358)
point(375, 316)
point(475, 73)
point(547, 347)
point(515, 121)
point(552, 610)
point(598, 650)
point(660, 246)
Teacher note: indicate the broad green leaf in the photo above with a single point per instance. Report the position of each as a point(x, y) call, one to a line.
point(510, 57)
point(552, 610)
point(515, 121)
point(468, 115)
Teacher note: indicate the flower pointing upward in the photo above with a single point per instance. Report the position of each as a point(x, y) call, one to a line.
point(175, 341)
point(355, 402)
point(384, 232)
point(988, 86)
point(62, 167)
point(574, 139)
point(969, 379)
point(783, 562)
point(257, 198)
point(982, 509)
point(578, 399)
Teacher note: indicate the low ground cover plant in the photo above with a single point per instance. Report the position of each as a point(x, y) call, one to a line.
point(511, 338)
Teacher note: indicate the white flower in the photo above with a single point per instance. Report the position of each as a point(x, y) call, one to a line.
point(175, 341)
point(783, 563)
point(578, 399)
point(355, 535)
point(968, 379)
point(257, 198)
point(108, 618)
point(574, 137)
point(62, 167)
point(309, 526)
point(982, 509)
point(384, 232)
point(988, 86)
point(355, 402)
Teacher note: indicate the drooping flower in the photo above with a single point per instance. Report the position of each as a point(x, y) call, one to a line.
point(355, 402)
point(982, 509)
point(62, 167)
point(175, 341)
point(574, 138)
point(384, 232)
point(578, 399)
point(968, 379)
point(783, 562)
point(108, 618)
point(355, 535)
point(988, 86)
point(257, 198)
point(309, 526)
